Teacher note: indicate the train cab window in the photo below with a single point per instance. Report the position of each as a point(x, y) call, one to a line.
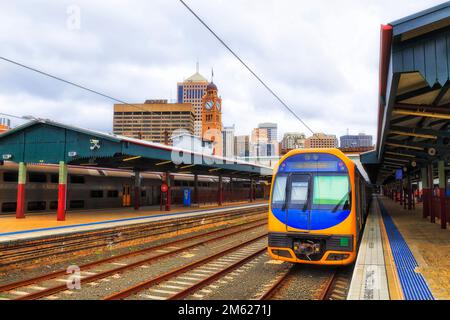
point(113, 194)
point(299, 192)
point(37, 205)
point(37, 177)
point(77, 179)
point(96, 193)
point(331, 192)
point(10, 176)
point(9, 207)
point(279, 191)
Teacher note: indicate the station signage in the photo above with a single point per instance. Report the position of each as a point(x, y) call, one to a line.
point(164, 188)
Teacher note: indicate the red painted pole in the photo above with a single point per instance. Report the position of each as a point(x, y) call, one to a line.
point(62, 192)
point(21, 185)
point(168, 191)
point(431, 194)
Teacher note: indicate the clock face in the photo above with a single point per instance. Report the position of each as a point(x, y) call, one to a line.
point(218, 105)
point(209, 105)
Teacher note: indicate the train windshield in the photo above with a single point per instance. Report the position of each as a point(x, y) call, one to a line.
point(279, 190)
point(331, 192)
point(328, 192)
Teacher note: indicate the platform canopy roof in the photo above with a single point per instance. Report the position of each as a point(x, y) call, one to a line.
point(44, 141)
point(414, 95)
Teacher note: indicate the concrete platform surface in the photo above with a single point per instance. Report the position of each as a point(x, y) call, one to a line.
point(369, 281)
point(429, 244)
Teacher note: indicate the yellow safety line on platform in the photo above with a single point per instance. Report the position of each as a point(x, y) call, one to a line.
point(395, 288)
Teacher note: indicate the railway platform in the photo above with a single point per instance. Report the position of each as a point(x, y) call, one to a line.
point(401, 257)
point(44, 225)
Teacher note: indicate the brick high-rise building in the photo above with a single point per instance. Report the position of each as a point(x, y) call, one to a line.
point(321, 141)
point(152, 119)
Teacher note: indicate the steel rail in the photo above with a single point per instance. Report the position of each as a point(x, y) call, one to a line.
point(22, 283)
point(149, 283)
point(104, 274)
point(214, 277)
point(274, 288)
point(328, 289)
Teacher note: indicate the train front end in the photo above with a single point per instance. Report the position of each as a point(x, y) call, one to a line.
point(312, 216)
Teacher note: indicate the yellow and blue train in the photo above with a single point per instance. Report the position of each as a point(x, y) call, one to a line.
point(319, 202)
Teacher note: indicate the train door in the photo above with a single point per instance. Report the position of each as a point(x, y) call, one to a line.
point(298, 210)
point(126, 196)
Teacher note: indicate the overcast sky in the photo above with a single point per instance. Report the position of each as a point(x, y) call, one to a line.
point(320, 56)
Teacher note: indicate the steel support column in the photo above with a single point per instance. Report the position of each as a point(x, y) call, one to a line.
point(21, 185)
point(251, 190)
point(410, 192)
point(196, 198)
point(62, 192)
point(442, 195)
point(220, 192)
point(425, 192)
point(137, 189)
point(431, 193)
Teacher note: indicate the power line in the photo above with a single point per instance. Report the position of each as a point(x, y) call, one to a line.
point(247, 67)
point(10, 115)
point(72, 84)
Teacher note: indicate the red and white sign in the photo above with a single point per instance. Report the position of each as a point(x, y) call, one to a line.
point(164, 188)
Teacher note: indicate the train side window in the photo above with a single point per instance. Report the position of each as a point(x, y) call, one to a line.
point(37, 205)
point(113, 194)
point(9, 207)
point(143, 193)
point(37, 177)
point(53, 205)
point(96, 193)
point(77, 204)
point(10, 176)
point(54, 178)
point(77, 179)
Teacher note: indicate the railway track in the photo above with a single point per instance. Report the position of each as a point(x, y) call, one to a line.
point(335, 287)
point(190, 243)
point(202, 272)
point(29, 251)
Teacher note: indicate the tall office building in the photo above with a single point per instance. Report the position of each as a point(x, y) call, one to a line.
point(262, 143)
point(272, 131)
point(192, 91)
point(293, 140)
point(321, 141)
point(5, 125)
point(357, 141)
point(242, 146)
point(154, 120)
point(228, 142)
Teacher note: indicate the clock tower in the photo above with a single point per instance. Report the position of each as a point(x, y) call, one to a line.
point(212, 118)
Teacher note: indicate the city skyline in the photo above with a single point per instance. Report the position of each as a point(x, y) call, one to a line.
point(133, 72)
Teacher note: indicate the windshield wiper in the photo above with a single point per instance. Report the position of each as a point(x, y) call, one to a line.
point(340, 201)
